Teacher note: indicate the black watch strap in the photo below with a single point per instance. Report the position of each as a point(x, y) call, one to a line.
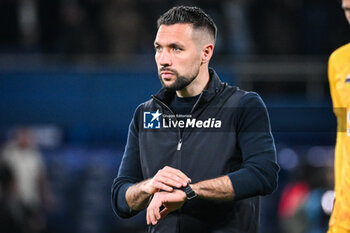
point(189, 192)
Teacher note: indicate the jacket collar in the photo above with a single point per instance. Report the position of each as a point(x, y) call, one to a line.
point(215, 86)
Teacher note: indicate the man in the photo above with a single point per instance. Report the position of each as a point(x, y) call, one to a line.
point(32, 189)
point(199, 152)
point(339, 82)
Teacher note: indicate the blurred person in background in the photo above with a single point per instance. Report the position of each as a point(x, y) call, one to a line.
point(300, 207)
point(125, 40)
point(11, 211)
point(32, 190)
point(9, 25)
point(339, 82)
point(190, 179)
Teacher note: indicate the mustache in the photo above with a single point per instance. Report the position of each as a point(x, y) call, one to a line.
point(167, 69)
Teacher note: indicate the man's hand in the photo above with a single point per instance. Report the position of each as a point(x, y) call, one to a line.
point(165, 180)
point(171, 201)
point(139, 195)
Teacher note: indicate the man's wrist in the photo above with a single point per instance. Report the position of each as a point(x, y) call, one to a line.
point(195, 188)
point(145, 187)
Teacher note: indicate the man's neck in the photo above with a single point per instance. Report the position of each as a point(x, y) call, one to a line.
point(196, 86)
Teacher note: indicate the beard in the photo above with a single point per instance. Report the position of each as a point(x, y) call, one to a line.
point(181, 81)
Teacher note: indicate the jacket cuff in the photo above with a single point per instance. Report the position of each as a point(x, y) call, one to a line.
point(122, 206)
point(243, 184)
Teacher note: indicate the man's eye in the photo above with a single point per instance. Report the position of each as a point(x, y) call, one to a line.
point(158, 48)
point(177, 49)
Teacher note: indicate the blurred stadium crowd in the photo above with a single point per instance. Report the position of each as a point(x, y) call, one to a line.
point(69, 123)
point(246, 27)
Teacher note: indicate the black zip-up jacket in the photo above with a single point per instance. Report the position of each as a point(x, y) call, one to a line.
point(228, 133)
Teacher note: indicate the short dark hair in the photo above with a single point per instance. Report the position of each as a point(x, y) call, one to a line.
point(191, 15)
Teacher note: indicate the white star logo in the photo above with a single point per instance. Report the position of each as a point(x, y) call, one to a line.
point(156, 115)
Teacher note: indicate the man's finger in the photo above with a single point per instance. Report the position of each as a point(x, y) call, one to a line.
point(155, 221)
point(162, 186)
point(175, 179)
point(177, 172)
point(153, 214)
point(170, 180)
point(157, 205)
point(151, 218)
point(147, 217)
point(164, 212)
point(157, 214)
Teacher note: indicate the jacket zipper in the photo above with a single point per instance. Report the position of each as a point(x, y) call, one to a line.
point(179, 144)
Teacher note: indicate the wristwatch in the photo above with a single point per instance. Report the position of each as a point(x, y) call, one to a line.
point(189, 192)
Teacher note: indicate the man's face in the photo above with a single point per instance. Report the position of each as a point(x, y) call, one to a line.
point(346, 8)
point(177, 55)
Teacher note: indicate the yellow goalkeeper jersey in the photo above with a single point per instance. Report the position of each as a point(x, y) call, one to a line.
point(339, 82)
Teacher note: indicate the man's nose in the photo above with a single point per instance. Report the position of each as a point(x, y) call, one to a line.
point(165, 58)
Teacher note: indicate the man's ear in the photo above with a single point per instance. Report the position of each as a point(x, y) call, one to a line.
point(207, 53)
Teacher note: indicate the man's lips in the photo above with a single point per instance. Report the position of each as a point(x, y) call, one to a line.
point(166, 75)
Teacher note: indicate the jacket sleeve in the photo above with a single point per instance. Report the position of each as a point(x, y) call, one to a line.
point(258, 174)
point(129, 171)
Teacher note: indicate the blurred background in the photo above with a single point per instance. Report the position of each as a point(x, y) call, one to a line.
point(73, 71)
